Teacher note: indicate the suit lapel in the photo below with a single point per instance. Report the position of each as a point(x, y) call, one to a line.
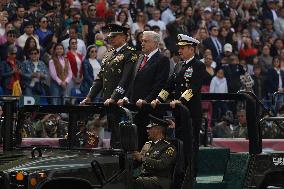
point(139, 62)
point(151, 60)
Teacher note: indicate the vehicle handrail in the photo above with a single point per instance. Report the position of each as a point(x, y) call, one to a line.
point(254, 134)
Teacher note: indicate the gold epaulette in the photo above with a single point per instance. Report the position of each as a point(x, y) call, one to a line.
point(187, 95)
point(164, 95)
point(130, 48)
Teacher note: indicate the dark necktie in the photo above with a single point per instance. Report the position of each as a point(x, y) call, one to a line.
point(144, 62)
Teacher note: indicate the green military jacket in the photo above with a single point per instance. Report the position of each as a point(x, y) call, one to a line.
point(116, 73)
point(158, 161)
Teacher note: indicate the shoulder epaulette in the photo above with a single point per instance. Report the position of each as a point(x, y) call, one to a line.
point(130, 48)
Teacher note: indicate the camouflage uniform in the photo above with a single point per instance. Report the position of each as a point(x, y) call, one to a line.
point(156, 166)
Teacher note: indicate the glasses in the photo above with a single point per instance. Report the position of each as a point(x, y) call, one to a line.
point(44, 21)
point(93, 51)
point(34, 53)
point(92, 10)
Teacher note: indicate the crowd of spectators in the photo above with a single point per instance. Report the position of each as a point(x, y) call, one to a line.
point(55, 47)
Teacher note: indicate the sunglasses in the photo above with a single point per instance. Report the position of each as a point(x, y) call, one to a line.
point(92, 9)
point(93, 51)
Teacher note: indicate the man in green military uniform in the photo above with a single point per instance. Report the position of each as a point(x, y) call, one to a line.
point(157, 157)
point(117, 69)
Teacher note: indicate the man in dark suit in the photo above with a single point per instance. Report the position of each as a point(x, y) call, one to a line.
point(115, 75)
point(185, 85)
point(150, 76)
point(213, 43)
point(269, 11)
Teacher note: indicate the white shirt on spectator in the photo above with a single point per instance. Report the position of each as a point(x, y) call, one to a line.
point(81, 47)
point(168, 16)
point(279, 26)
point(218, 85)
point(159, 23)
point(23, 38)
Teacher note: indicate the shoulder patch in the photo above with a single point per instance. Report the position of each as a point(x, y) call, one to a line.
point(170, 151)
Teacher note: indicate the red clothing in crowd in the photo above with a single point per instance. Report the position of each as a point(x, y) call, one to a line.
point(73, 63)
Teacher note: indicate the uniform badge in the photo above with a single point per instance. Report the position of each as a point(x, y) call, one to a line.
point(170, 151)
point(119, 58)
point(188, 72)
point(134, 58)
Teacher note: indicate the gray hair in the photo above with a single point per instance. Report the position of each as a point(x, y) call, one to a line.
point(155, 36)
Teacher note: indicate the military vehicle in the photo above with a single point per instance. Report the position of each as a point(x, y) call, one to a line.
point(71, 166)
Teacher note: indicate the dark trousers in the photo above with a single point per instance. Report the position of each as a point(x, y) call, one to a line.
point(141, 120)
point(113, 120)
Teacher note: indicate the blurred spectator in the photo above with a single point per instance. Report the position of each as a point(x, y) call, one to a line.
point(61, 74)
point(276, 47)
point(19, 14)
point(81, 47)
point(42, 32)
point(247, 50)
point(91, 68)
point(140, 23)
point(279, 24)
point(224, 128)
point(268, 31)
point(270, 10)
point(11, 40)
point(254, 28)
point(34, 75)
point(3, 22)
point(219, 85)
point(29, 44)
point(122, 18)
point(155, 21)
point(213, 43)
point(29, 32)
point(47, 55)
point(89, 24)
point(233, 71)
point(240, 129)
point(76, 62)
point(265, 59)
point(208, 59)
point(189, 21)
point(10, 69)
point(275, 81)
point(259, 82)
point(48, 5)
point(168, 15)
point(3, 38)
